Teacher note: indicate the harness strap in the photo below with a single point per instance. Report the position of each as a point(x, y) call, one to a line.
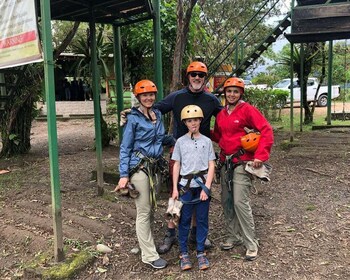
point(146, 165)
point(230, 166)
point(189, 178)
point(201, 184)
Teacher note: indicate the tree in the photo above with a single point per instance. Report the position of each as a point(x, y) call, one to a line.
point(16, 118)
point(314, 56)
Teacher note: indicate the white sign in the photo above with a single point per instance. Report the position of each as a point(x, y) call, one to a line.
point(19, 40)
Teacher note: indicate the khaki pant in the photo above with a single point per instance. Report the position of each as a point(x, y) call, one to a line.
point(237, 211)
point(143, 218)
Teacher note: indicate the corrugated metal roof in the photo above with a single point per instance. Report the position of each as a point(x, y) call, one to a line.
point(119, 12)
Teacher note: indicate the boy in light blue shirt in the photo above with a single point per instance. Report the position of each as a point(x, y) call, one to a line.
point(194, 170)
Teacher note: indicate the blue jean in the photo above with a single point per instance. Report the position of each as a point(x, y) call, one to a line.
point(202, 212)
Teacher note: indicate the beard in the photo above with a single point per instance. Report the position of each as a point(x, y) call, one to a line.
point(196, 87)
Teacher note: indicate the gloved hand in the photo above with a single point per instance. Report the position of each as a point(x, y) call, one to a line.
point(124, 117)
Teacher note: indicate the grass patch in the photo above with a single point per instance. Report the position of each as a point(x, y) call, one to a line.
point(286, 145)
point(11, 180)
point(70, 267)
point(311, 207)
point(43, 267)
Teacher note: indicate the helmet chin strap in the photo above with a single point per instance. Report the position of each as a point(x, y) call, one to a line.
point(146, 110)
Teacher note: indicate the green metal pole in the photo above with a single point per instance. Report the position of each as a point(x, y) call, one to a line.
point(301, 84)
point(97, 104)
point(291, 138)
point(118, 76)
point(52, 130)
point(291, 94)
point(158, 49)
point(330, 78)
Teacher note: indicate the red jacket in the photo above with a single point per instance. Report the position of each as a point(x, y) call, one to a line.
point(230, 127)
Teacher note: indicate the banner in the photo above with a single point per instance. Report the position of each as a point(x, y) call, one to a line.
point(19, 40)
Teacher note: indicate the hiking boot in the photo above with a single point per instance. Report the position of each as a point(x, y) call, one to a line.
point(207, 243)
point(185, 262)
point(157, 264)
point(203, 262)
point(169, 241)
point(251, 255)
point(229, 244)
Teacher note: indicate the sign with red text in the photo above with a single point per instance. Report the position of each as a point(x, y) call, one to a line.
point(19, 39)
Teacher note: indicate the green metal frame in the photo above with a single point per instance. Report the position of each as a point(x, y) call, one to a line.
point(51, 110)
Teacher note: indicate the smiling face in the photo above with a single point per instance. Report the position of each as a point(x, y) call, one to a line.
point(233, 94)
point(147, 99)
point(196, 80)
point(193, 124)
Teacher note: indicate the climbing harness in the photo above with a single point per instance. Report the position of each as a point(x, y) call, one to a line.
point(151, 167)
point(186, 188)
point(230, 167)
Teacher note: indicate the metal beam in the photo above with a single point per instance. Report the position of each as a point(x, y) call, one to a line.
point(52, 130)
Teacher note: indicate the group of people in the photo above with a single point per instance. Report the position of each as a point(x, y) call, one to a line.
point(75, 90)
point(192, 164)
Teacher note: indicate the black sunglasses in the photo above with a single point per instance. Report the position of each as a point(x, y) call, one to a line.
point(199, 74)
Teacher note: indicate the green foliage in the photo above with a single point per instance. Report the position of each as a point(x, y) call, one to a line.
point(267, 101)
point(62, 28)
point(112, 131)
point(111, 108)
point(83, 67)
point(72, 265)
point(265, 78)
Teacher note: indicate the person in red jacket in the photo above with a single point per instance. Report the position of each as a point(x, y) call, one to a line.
point(232, 123)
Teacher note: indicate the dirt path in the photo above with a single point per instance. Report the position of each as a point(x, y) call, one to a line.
point(302, 216)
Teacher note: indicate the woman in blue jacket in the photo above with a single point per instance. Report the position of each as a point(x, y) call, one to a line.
point(140, 149)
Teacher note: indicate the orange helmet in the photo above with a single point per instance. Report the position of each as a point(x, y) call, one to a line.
point(250, 141)
point(197, 66)
point(234, 82)
point(144, 86)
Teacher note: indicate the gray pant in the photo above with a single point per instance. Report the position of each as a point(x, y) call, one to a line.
point(237, 211)
point(143, 218)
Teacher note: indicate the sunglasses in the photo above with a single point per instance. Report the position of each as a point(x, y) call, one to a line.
point(199, 74)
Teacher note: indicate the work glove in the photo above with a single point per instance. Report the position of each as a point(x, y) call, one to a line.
point(262, 172)
point(124, 117)
point(174, 210)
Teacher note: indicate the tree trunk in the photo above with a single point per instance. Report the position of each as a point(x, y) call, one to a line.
point(310, 50)
point(70, 35)
point(183, 23)
point(18, 114)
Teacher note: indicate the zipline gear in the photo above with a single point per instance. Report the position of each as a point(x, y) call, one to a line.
point(174, 210)
point(234, 82)
point(130, 190)
point(250, 141)
point(144, 86)
point(189, 178)
point(197, 66)
point(186, 188)
point(150, 166)
point(230, 166)
point(262, 173)
point(191, 112)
